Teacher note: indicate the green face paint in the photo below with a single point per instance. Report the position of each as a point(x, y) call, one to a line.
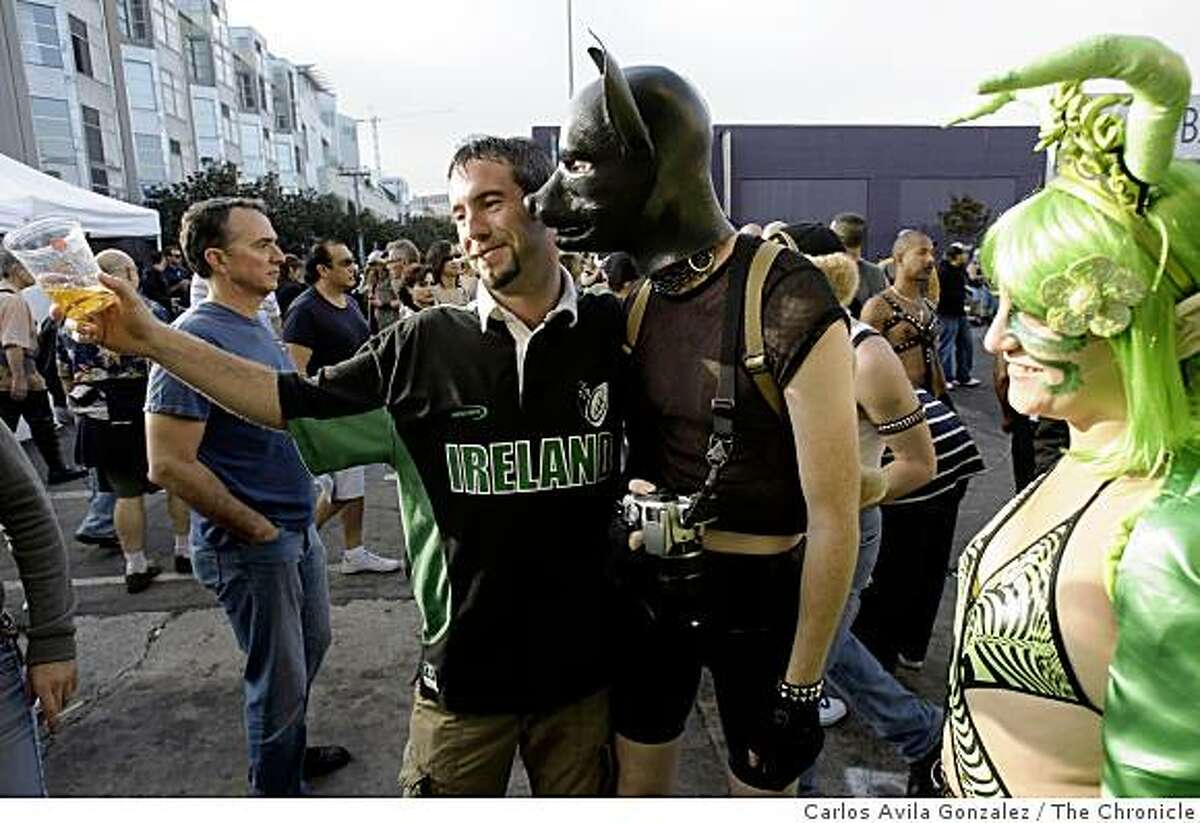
point(1044, 347)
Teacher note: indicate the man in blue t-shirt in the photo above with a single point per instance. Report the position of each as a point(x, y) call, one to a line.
point(325, 326)
point(253, 539)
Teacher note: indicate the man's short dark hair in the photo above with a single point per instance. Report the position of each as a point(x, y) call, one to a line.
point(204, 227)
point(851, 228)
point(157, 257)
point(437, 255)
point(531, 167)
point(318, 255)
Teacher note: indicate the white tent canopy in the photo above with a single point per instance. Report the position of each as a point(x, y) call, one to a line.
point(27, 194)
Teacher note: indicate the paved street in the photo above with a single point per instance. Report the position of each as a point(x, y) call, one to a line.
point(159, 708)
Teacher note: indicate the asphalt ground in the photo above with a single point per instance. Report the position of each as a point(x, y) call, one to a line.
point(159, 708)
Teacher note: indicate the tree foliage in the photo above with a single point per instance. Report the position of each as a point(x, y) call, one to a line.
point(965, 219)
point(299, 218)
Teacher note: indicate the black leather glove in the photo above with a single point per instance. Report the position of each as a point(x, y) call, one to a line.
point(788, 739)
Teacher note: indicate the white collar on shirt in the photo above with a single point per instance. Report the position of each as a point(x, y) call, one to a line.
point(568, 302)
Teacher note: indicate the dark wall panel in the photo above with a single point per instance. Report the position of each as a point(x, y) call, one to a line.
point(761, 201)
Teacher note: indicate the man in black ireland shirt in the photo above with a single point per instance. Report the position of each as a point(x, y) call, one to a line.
point(325, 326)
point(502, 420)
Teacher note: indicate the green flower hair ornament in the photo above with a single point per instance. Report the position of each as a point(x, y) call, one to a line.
point(1094, 295)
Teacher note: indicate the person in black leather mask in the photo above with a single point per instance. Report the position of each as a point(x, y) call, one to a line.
point(781, 489)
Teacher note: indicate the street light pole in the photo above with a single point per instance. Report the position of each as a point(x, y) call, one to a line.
point(570, 52)
point(356, 174)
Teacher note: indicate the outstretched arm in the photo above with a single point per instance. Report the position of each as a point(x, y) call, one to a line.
point(242, 386)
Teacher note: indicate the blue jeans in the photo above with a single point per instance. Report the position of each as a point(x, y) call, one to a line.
point(98, 522)
point(911, 724)
point(956, 348)
point(20, 753)
point(276, 596)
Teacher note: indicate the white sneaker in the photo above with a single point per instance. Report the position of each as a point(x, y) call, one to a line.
point(831, 710)
point(361, 560)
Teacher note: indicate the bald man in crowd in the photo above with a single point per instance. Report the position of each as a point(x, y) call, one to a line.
point(906, 317)
point(106, 391)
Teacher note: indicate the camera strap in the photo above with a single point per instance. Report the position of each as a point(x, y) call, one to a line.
point(724, 404)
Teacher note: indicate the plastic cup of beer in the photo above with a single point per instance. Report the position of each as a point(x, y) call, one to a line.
point(56, 253)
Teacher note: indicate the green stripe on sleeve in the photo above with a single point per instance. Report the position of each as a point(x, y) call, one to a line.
point(363, 439)
point(341, 442)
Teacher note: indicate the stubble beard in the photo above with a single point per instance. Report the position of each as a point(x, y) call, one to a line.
point(497, 279)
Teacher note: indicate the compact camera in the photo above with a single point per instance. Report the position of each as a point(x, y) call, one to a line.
point(672, 582)
point(662, 516)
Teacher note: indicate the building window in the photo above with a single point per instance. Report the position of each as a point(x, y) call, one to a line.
point(251, 147)
point(93, 137)
point(166, 23)
point(151, 168)
point(100, 181)
point(246, 92)
point(284, 158)
point(170, 101)
point(139, 82)
point(224, 63)
point(52, 126)
point(175, 158)
point(200, 60)
point(81, 47)
point(133, 18)
point(39, 34)
point(204, 115)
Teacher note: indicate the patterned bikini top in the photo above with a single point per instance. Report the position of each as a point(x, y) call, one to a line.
point(1008, 637)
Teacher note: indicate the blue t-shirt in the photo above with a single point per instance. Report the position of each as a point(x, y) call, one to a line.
point(260, 467)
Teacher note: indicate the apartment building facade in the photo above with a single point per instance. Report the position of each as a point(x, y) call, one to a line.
point(64, 108)
point(121, 95)
point(255, 112)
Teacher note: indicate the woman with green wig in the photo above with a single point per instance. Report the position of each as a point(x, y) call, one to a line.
point(1076, 663)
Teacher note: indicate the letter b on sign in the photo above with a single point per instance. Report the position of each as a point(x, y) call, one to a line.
point(1189, 132)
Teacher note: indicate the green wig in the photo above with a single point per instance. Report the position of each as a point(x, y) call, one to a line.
point(1119, 197)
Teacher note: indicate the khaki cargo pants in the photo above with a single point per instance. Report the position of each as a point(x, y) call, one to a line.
point(566, 751)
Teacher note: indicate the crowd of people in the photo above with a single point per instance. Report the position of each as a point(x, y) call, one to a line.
point(770, 417)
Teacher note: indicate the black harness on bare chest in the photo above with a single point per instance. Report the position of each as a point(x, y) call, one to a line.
point(926, 333)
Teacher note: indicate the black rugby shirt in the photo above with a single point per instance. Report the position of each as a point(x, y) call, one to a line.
point(505, 494)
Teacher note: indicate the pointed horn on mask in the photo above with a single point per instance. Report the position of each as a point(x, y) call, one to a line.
point(1158, 77)
point(990, 106)
point(619, 106)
